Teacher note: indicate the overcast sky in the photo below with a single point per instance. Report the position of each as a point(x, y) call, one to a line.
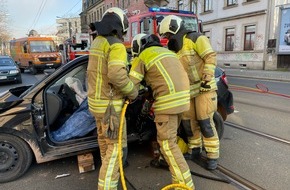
point(40, 15)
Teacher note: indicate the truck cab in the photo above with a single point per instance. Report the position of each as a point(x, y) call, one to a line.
point(148, 22)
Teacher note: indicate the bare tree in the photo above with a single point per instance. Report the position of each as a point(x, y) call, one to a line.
point(4, 30)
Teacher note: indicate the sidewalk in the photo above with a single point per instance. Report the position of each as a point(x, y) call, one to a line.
point(259, 74)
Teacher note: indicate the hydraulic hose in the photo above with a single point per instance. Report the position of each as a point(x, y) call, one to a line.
point(176, 185)
point(122, 117)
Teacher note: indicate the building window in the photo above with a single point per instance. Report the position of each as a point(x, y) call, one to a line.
point(231, 2)
point(230, 39)
point(193, 6)
point(207, 5)
point(249, 40)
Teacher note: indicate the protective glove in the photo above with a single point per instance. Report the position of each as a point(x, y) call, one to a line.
point(204, 87)
point(110, 124)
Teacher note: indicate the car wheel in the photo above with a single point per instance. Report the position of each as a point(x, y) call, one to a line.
point(33, 70)
point(15, 157)
point(19, 80)
point(219, 124)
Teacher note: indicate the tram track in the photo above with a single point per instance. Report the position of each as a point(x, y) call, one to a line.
point(259, 133)
point(235, 179)
point(224, 175)
point(227, 176)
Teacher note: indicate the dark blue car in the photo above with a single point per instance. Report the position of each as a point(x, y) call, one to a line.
point(9, 71)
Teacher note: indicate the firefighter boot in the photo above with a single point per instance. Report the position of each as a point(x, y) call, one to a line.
point(195, 154)
point(211, 164)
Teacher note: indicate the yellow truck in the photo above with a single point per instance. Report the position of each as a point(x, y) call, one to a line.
point(35, 53)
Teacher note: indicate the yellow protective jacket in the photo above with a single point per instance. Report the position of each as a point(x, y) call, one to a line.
point(199, 60)
point(163, 72)
point(107, 65)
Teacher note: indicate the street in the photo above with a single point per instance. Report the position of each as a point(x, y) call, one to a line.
point(262, 161)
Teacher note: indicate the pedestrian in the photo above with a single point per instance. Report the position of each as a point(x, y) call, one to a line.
point(199, 60)
point(108, 85)
point(163, 73)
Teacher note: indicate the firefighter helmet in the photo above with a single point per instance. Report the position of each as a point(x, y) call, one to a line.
point(138, 41)
point(121, 15)
point(141, 41)
point(170, 24)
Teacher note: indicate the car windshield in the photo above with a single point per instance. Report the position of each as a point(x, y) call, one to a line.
point(6, 62)
point(190, 22)
point(42, 46)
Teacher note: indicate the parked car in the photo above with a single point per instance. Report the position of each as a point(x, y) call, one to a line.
point(9, 71)
point(225, 96)
point(29, 114)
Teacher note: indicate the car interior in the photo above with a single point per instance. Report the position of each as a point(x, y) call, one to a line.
point(61, 100)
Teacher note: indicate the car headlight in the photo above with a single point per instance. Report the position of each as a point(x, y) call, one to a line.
point(14, 71)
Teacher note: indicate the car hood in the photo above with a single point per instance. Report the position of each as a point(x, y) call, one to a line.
point(10, 98)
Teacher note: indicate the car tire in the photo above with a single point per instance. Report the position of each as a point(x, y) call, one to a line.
point(19, 80)
point(33, 70)
point(219, 124)
point(15, 157)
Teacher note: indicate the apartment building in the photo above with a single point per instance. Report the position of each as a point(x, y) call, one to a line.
point(250, 34)
point(67, 27)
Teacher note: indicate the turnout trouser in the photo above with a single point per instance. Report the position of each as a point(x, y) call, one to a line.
point(203, 129)
point(109, 171)
point(167, 136)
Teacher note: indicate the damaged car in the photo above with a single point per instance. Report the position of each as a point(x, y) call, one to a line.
point(30, 114)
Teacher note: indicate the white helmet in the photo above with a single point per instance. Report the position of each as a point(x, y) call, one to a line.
point(122, 16)
point(138, 43)
point(171, 24)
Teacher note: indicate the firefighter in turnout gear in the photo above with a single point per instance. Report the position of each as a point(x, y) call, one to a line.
point(199, 60)
point(108, 85)
point(164, 74)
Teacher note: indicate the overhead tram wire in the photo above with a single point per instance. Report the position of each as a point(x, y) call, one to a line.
point(69, 12)
point(42, 5)
point(72, 8)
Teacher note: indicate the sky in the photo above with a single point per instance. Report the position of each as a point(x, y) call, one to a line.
point(40, 15)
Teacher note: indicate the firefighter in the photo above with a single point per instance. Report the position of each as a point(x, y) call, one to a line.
point(108, 84)
point(163, 73)
point(199, 60)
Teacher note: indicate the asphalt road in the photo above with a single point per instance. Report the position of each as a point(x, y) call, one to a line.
point(260, 160)
point(139, 174)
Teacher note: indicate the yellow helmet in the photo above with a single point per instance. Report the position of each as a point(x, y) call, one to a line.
point(170, 24)
point(122, 16)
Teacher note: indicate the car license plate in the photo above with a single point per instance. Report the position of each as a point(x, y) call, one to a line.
point(49, 64)
point(3, 77)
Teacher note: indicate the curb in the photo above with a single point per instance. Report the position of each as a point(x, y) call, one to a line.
point(259, 77)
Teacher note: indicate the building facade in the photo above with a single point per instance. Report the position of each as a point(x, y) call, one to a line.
point(67, 28)
point(250, 34)
point(247, 34)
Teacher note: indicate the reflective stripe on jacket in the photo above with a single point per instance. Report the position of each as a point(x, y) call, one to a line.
point(107, 65)
point(167, 78)
point(198, 59)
